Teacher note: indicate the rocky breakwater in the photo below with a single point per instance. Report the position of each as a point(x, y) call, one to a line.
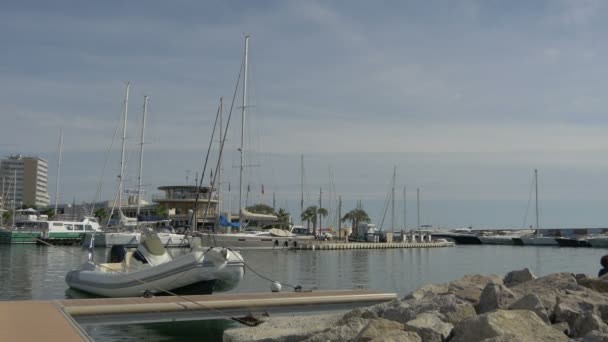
point(516, 307)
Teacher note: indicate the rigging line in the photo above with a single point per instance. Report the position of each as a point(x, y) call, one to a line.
point(528, 204)
point(225, 133)
point(100, 184)
point(153, 286)
point(385, 207)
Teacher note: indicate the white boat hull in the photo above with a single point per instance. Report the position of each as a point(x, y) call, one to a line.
point(199, 272)
point(598, 242)
point(247, 241)
point(108, 239)
point(539, 241)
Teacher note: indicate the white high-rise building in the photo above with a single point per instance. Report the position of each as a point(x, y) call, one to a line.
point(25, 181)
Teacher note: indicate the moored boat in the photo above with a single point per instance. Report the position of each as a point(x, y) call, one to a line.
point(150, 269)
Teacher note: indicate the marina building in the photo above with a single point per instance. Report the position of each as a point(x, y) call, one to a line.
point(179, 202)
point(25, 181)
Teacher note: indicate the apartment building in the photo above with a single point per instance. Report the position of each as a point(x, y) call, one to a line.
point(24, 181)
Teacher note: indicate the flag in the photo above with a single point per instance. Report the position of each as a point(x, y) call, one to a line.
point(262, 189)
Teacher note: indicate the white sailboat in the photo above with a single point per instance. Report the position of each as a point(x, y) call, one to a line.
point(250, 236)
point(131, 236)
point(536, 239)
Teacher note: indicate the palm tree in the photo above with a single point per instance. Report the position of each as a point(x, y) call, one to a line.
point(50, 213)
point(322, 212)
point(101, 214)
point(310, 214)
point(161, 211)
point(283, 218)
point(261, 208)
point(356, 216)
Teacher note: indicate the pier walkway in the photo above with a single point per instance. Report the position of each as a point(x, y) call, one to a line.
point(322, 245)
point(61, 320)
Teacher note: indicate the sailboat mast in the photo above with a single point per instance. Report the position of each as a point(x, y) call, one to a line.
point(536, 192)
point(393, 202)
point(14, 192)
point(418, 206)
point(302, 188)
point(58, 169)
point(141, 154)
point(122, 153)
point(219, 175)
point(2, 207)
point(404, 210)
point(244, 111)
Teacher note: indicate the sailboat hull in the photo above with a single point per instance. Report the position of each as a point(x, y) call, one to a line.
point(107, 239)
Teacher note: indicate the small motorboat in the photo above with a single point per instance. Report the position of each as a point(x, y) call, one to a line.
point(149, 269)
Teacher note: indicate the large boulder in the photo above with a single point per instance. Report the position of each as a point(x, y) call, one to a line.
point(453, 310)
point(342, 331)
point(517, 277)
point(495, 296)
point(586, 323)
point(428, 289)
point(470, 286)
point(533, 303)
point(595, 336)
point(520, 324)
point(430, 327)
point(596, 284)
point(563, 288)
point(375, 329)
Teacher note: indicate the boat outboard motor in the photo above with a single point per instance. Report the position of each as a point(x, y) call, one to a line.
point(117, 254)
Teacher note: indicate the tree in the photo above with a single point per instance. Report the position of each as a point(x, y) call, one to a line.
point(6, 216)
point(261, 208)
point(356, 216)
point(311, 214)
point(101, 214)
point(161, 211)
point(49, 212)
point(283, 219)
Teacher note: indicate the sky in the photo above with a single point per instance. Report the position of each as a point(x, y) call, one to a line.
point(465, 99)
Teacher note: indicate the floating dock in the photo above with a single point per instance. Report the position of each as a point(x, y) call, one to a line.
point(61, 320)
point(320, 245)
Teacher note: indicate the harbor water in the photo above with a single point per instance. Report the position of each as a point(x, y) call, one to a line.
point(37, 272)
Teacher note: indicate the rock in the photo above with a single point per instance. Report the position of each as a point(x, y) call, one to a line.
point(430, 327)
point(565, 313)
point(533, 303)
point(517, 277)
point(595, 336)
point(470, 287)
point(426, 290)
point(398, 336)
point(342, 331)
point(563, 288)
point(495, 296)
point(586, 323)
point(562, 327)
point(366, 313)
point(596, 284)
point(283, 328)
point(452, 309)
point(522, 325)
point(502, 338)
point(375, 329)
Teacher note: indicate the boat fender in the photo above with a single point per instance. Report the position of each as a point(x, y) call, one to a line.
point(275, 286)
point(298, 288)
point(285, 244)
point(147, 294)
